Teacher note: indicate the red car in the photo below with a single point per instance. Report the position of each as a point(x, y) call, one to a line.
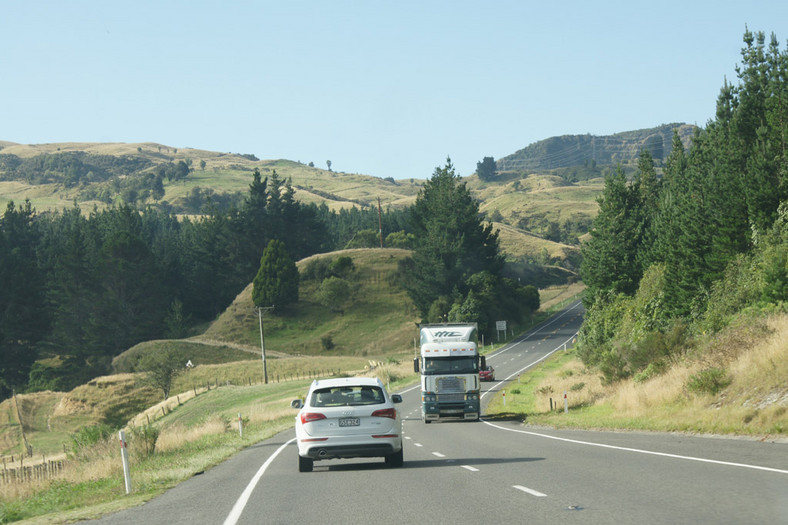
point(487, 374)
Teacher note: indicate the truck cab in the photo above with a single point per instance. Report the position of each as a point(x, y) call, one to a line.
point(449, 364)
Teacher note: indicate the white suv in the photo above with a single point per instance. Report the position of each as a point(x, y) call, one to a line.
point(349, 417)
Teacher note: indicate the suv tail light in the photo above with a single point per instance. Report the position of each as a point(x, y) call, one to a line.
point(385, 412)
point(306, 417)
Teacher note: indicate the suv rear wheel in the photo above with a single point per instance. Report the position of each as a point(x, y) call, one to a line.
point(305, 464)
point(395, 460)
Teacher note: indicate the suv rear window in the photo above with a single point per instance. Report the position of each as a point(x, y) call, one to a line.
point(347, 396)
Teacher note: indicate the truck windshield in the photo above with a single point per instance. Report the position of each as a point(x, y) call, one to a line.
point(450, 365)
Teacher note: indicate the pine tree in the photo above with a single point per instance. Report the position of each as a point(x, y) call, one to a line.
point(610, 257)
point(276, 283)
point(759, 121)
point(451, 243)
point(648, 189)
point(22, 318)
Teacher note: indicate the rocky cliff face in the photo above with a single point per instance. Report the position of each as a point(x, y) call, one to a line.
point(587, 150)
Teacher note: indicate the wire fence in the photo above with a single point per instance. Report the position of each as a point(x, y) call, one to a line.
point(25, 469)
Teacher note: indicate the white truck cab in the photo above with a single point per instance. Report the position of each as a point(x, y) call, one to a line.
point(449, 364)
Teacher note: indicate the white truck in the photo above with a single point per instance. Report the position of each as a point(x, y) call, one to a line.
point(449, 364)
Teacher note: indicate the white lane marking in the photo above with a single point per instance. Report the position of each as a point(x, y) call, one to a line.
point(640, 451)
point(238, 508)
point(409, 389)
point(513, 344)
point(438, 454)
point(408, 437)
point(532, 492)
point(523, 338)
point(418, 445)
point(468, 467)
point(526, 367)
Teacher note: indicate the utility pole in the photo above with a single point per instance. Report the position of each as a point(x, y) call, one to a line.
point(380, 224)
point(260, 311)
point(28, 448)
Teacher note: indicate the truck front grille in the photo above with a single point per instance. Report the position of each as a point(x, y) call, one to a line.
point(451, 398)
point(450, 384)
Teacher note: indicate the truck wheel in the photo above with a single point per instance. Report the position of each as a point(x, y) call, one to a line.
point(427, 421)
point(305, 464)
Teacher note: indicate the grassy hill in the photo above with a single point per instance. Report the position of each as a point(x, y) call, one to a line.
point(380, 319)
point(223, 173)
point(547, 206)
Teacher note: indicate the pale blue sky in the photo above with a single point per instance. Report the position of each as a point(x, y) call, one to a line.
point(382, 88)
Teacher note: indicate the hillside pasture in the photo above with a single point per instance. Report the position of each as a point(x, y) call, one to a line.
point(377, 321)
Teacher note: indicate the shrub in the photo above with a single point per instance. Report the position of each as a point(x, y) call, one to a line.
point(334, 293)
point(654, 369)
point(146, 436)
point(613, 366)
point(317, 269)
point(342, 266)
point(327, 341)
point(709, 381)
point(400, 239)
point(86, 437)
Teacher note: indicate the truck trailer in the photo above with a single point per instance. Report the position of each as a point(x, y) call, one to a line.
point(449, 364)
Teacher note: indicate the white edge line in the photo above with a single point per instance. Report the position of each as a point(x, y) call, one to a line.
point(517, 341)
point(640, 451)
point(524, 337)
point(238, 508)
point(526, 367)
point(532, 492)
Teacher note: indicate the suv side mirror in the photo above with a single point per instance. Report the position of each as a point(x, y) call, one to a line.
point(415, 364)
point(296, 403)
point(396, 398)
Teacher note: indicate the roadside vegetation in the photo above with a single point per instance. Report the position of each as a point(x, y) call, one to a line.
point(729, 383)
point(685, 323)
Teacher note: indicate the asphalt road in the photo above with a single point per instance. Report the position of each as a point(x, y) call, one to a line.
point(484, 472)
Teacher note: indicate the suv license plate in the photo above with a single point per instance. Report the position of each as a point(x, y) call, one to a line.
point(349, 422)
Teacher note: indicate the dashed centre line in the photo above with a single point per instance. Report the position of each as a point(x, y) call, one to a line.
point(438, 454)
point(532, 492)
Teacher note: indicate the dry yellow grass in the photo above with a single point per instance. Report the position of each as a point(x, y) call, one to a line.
point(574, 373)
point(516, 244)
point(271, 411)
point(552, 295)
point(755, 402)
point(102, 463)
point(176, 436)
point(165, 406)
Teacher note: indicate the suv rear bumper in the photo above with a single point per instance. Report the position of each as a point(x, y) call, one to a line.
point(373, 450)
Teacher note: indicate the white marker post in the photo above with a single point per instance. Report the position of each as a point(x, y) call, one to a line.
point(124, 454)
point(240, 425)
point(504, 398)
point(566, 404)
